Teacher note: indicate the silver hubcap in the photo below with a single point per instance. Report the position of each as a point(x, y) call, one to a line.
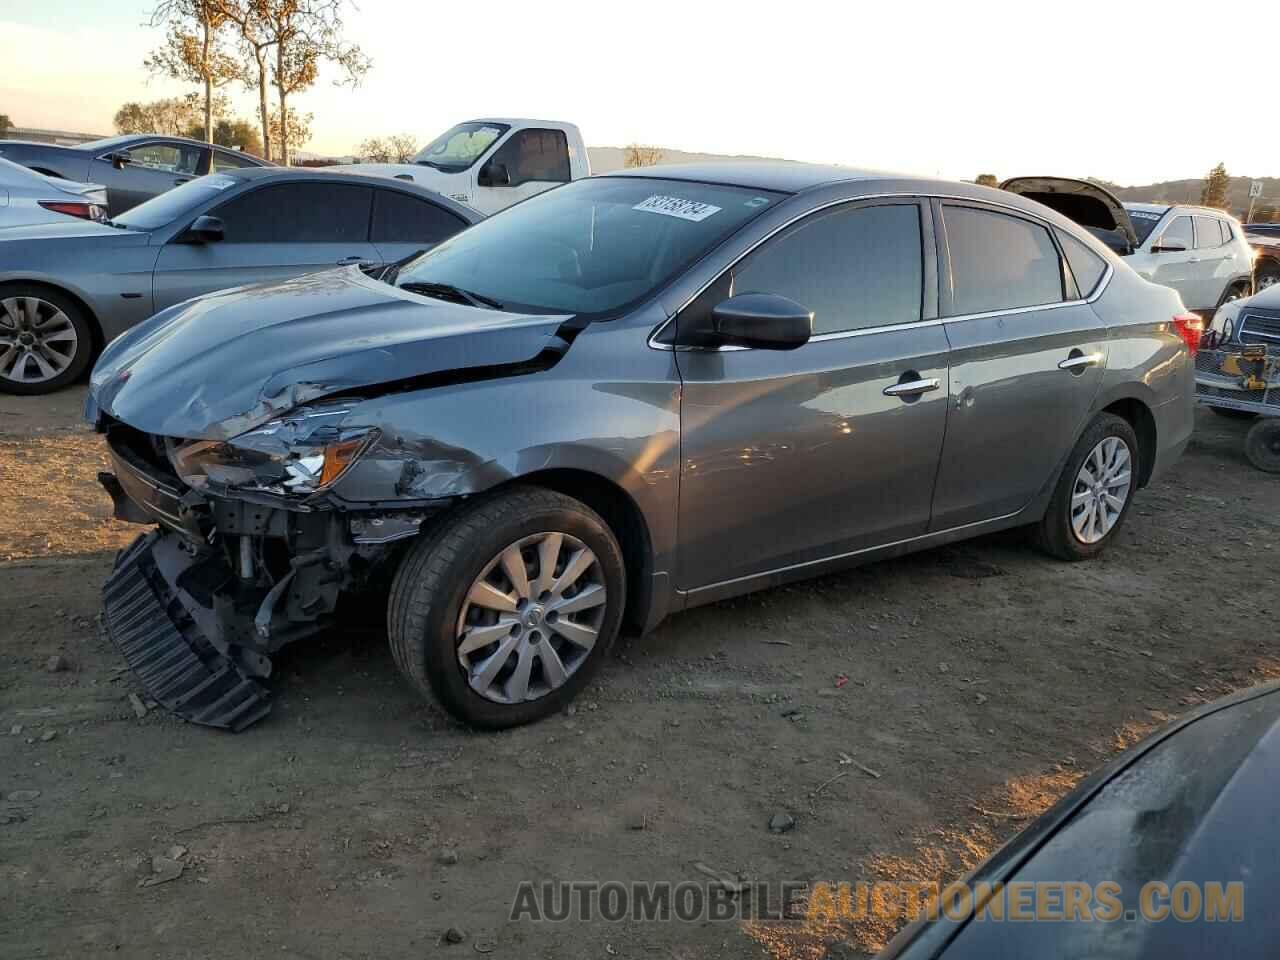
point(1102, 487)
point(1268, 280)
point(37, 340)
point(531, 618)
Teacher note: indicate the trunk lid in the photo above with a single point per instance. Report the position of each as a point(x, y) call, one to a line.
point(1092, 206)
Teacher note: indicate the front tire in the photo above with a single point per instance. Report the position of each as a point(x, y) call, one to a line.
point(505, 611)
point(1094, 491)
point(46, 340)
point(1262, 445)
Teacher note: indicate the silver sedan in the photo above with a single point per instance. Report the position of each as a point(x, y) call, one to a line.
point(67, 289)
point(27, 197)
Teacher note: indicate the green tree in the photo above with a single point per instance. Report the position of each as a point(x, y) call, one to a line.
point(236, 133)
point(5, 125)
point(987, 180)
point(194, 49)
point(172, 116)
point(1214, 191)
point(287, 138)
point(248, 18)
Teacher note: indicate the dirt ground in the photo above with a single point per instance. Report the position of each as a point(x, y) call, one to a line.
point(983, 680)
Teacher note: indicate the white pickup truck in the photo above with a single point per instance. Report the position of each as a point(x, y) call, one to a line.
point(491, 164)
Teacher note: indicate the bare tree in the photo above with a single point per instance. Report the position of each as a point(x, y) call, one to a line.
point(193, 49)
point(638, 155)
point(290, 138)
point(374, 150)
point(404, 147)
point(304, 34)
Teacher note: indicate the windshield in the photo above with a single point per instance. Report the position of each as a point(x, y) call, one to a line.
point(169, 206)
point(591, 247)
point(459, 147)
point(1144, 221)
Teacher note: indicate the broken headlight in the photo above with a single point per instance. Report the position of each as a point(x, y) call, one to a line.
point(303, 452)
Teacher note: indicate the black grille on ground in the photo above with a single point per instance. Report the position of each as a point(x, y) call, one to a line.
point(166, 650)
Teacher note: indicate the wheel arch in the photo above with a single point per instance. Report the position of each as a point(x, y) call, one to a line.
point(624, 517)
point(1139, 416)
point(95, 328)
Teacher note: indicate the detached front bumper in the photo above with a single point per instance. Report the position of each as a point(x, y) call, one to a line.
point(157, 626)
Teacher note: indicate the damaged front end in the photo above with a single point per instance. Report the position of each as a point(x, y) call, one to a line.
point(251, 553)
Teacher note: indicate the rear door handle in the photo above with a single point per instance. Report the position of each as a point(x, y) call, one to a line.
point(912, 388)
point(1080, 362)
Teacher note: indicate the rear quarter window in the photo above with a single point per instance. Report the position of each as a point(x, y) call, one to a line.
point(400, 218)
point(1208, 232)
point(999, 262)
point(1086, 266)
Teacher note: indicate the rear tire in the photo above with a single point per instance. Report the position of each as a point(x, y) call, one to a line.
point(452, 591)
point(1262, 445)
point(1111, 448)
point(1236, 291)
point(46, 341)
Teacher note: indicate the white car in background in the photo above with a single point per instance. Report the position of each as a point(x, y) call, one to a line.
point(1199, 251)
point(491, 164)
point(27, 197)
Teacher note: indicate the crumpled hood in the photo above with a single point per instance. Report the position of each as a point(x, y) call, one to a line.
point(219, 365)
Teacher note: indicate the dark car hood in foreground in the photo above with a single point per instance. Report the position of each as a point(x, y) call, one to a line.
point(1194, 802)
point(219, 365)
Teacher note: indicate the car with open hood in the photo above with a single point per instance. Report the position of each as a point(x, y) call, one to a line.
point(66, 289)
point(1201, 252)
point(627, 396)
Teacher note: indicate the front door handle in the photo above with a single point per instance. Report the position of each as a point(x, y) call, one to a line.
point(347, 261)
point(912, 388)
point(1080, 361)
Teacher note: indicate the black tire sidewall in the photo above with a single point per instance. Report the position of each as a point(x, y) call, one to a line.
point(438, 646)
point(1256, 445)
point(1056, 533)
point(84, 341)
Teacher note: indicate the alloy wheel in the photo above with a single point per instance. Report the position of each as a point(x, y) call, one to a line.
point(37, 340)
point(531, 618)
point(1101, 489)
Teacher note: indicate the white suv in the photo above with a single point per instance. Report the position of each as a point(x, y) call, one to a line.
point(1198, 251)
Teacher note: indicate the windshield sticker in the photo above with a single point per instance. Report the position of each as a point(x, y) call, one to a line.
point(218, 182)
point(1143, 215)
point(676, 207)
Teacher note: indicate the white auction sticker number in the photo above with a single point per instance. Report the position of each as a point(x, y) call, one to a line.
point(676, 207)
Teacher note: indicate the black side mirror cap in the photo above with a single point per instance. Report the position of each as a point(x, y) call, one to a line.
point(119, 159)
point(763, 320)
point(493, 175)
point(204, 230)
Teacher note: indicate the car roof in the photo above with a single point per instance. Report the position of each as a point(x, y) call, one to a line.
point(784, 176)
point(1147, 207)
point(1188, 207)
point(341, 175)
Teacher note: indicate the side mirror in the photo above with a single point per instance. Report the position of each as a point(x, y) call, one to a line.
point(764, 320)
point(493, 175)
point(204, 230)
point(1169, 246)
point(119, 159)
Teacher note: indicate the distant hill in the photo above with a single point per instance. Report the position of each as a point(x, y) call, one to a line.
point(609, 159)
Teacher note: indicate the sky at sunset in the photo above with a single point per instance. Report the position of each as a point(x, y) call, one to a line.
point(1121, 90)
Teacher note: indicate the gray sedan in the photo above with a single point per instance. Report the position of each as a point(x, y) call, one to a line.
point(133, 168)
point(68, 289)
point(629, 395)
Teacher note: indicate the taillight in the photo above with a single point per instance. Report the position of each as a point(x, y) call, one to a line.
point(72, 208)
point(1190, 328)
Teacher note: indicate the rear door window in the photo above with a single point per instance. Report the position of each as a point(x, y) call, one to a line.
point(999, 262)
point(535, 155)
point(226, 160)
point(1208, 232)
point(400, 218)
point(298, 213)
point(854, 268)
point(1178, 232)
point(166, 157)
point(1086, 266)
